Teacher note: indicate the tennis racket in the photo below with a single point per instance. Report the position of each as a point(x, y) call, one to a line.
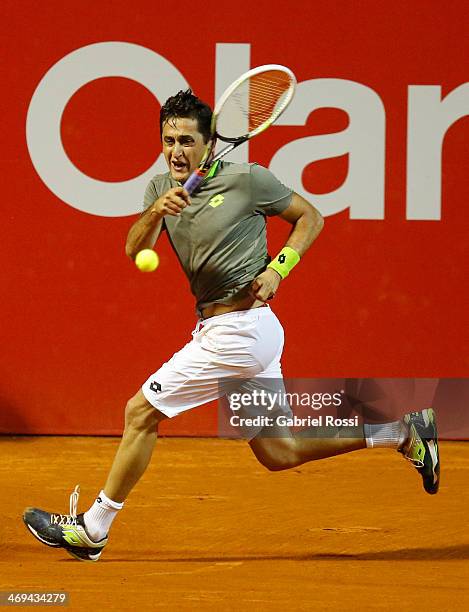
point(248, 107)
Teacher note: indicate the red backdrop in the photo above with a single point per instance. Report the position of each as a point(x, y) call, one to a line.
point(81, 328)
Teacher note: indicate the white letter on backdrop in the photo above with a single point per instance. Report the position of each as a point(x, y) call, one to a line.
point(429, 118)
point(363, 139)
point(107, 59)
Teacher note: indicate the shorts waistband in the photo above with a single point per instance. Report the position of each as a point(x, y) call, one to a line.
point(239, 313)
point(251, 313)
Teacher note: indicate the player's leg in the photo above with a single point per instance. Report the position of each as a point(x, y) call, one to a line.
point(84, 535)
point(136, 447)
point(189, 379)
point(130, 462)
point(279, 449)
point(415, 436)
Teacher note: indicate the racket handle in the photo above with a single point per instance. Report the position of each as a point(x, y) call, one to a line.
point(194, 181)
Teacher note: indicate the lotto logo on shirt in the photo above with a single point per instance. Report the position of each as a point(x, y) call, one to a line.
point(216, 200)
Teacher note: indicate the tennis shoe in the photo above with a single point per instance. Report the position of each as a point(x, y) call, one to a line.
point(66, 531)
point(421, 447)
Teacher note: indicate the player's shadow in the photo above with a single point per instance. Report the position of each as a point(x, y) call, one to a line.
point(441, 553)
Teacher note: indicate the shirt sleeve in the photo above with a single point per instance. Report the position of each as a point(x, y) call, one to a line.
point(270, 196)
point(150, 195)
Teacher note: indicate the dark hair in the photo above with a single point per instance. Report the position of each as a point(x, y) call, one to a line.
point(185, 104)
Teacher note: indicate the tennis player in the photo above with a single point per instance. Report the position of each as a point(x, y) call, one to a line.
point(219, 236)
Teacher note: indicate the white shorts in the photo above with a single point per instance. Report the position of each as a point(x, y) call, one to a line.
point(245, 344)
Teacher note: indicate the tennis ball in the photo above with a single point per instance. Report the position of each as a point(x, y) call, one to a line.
point(147, 260)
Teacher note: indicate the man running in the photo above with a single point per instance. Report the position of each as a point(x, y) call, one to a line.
point(219, 236)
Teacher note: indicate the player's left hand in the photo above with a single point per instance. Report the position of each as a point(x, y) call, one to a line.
point(264, 286)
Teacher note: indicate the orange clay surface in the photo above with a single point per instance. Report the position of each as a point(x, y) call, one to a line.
point(208, 528)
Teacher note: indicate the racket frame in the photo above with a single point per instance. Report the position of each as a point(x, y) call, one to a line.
point(208, 160)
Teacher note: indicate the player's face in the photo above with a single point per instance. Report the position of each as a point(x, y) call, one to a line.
point(183, 146)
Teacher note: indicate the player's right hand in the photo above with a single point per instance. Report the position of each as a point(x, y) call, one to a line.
point(173, 202)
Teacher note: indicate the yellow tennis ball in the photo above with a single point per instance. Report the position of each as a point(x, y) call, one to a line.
point(147, 260)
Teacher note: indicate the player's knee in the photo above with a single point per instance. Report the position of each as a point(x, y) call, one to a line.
point(278, 464)
point(278, 457)
point(272, 464)
point(141, 415)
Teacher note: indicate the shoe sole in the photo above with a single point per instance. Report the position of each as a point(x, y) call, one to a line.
point(430, 419)
point(38, 537)
point(55, 545)
point(71, 553)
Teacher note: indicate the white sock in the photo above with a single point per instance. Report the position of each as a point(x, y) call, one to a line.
point(386, 435)
point(99, 517)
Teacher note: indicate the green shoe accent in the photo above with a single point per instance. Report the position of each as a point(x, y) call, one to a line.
point(421, 447)
point(67, 531)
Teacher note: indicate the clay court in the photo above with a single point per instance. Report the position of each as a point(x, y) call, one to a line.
point(208, 528)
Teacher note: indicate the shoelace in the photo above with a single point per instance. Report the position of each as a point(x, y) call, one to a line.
point(415, 462)
point(68, 519)
point(74, 501)
point(418, 463)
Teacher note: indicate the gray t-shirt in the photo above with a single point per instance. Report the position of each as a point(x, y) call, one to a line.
point(220, 239)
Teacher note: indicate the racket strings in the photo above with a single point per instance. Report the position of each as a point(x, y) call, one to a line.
point(265, 99)
point(257, 101)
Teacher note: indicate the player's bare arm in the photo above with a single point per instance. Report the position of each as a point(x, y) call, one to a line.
point(146, 230)
point(307, 224)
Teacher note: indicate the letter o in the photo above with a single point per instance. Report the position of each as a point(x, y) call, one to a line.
point(62, 177)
